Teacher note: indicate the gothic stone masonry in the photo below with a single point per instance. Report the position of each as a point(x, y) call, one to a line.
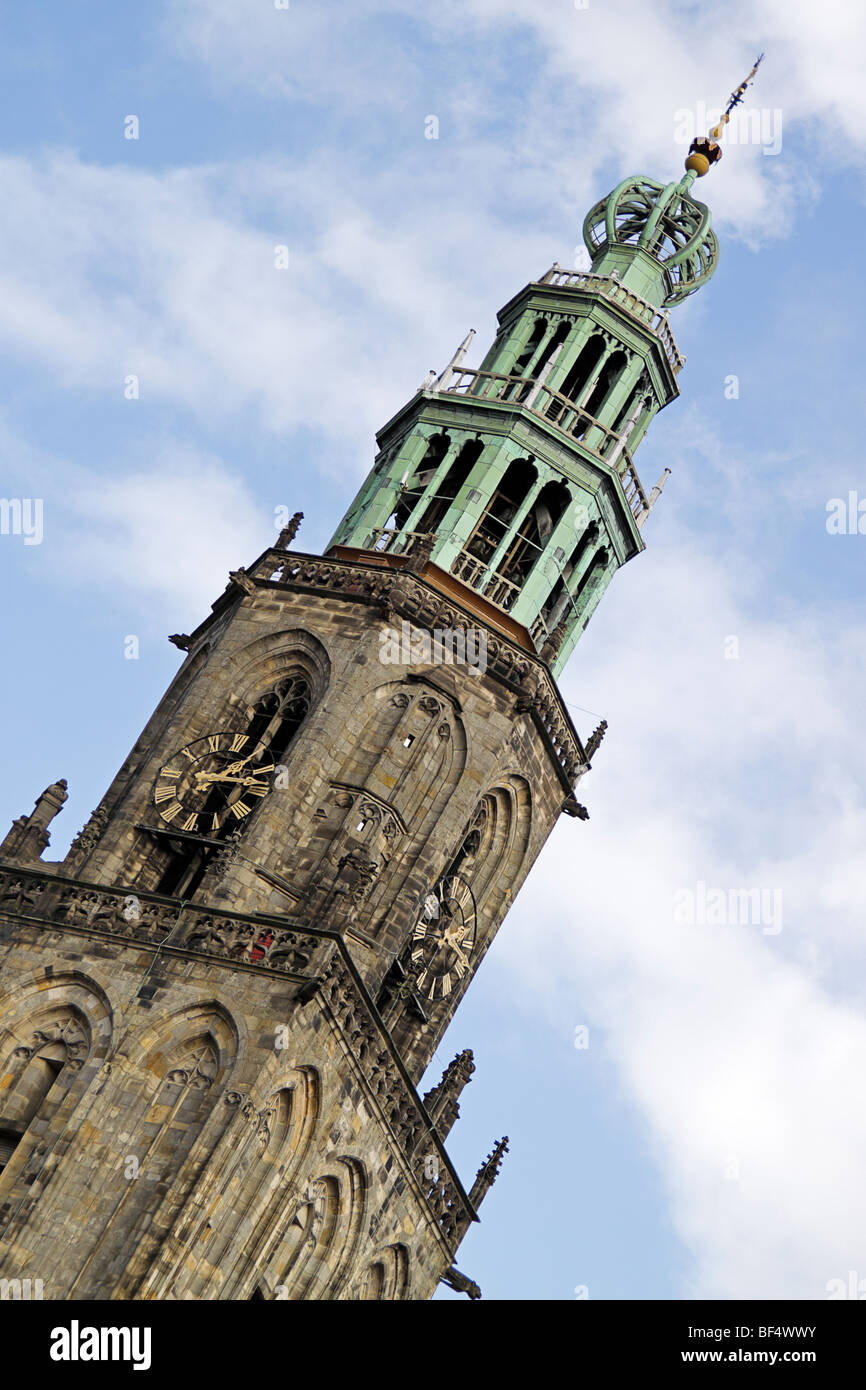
point(211, 1093)
point(215, 1011)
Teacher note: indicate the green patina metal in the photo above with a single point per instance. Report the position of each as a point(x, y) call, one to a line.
point(520, 476)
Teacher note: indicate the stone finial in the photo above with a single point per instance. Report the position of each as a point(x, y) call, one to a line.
point(442, 1102)
point(88, 837)
point(50, 802)
point(420, 551)
point(222, 862)
point(28, 835)
point(487, 1173)
point(595, 738)
point(288, 533)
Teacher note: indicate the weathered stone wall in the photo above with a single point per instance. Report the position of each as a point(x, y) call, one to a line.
point(470, 737)
point(183, 1152)
point(214, 1096)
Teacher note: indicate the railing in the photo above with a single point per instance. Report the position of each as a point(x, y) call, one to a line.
point(634, 304)
point(392, 540)
point(539, 632)
point(563, 414)
point(494, 587)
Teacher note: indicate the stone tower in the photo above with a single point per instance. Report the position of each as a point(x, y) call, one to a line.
point(215, 1011)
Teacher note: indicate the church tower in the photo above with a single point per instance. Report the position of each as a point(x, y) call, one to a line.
point(216, 1010)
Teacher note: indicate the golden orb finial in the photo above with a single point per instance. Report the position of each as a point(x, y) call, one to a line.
point(704, 151)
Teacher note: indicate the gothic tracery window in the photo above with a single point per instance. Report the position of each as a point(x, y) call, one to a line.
point(273, 720)
point(32, 1069)
point(277, 716)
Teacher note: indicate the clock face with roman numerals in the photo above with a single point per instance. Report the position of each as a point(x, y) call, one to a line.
point(444, 937)
point(213, 784)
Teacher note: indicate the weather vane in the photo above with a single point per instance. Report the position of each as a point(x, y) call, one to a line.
point(704, 151)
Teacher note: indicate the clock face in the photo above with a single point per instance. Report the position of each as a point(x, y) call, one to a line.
point(214, 783)
point(444, 937)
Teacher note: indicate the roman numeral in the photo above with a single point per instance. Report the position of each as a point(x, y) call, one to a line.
point(216, 823)
point(170, 772)
point(238, 742)
point(186, 753)
point(172, 811)
point(254, 789)
point(190, 823)
point(213, 742)
point(446, 986)
point(418, 954)
point(240, 809)
point(164, 794)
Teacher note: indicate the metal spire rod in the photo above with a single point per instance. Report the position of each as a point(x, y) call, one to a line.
point(704, 151)
point(735, 98)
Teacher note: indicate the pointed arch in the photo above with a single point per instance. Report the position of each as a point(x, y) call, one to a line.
point(493, 848)
point(324, 1234)
point(386, 1277)
point(54, 1033)
point(170, 1085)
point(234, 1220)
point(274, 683)
point(502, 507)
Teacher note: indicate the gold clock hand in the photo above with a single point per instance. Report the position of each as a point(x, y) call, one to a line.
point(219, 777)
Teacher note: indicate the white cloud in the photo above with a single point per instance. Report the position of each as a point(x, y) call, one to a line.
point(161, 527)
point(170, 532)
point(570, 90)
point(743, 1050)
point(116, 272)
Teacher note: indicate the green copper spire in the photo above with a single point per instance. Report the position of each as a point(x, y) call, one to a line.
point(514, 487)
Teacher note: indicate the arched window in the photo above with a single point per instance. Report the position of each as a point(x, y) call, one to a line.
point(277, 716)
point(582, 368)
point(501, 509)
point(31, 1075)
point(437, 447)
point(536, 337)
point(599, 561)
point(449, 486)
point(534, 532)
point(556, 340)
point(635, 404)
point(606, 381)
point(274, 721)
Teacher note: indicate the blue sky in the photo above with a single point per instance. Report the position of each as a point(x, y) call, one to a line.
point(710, 1141)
